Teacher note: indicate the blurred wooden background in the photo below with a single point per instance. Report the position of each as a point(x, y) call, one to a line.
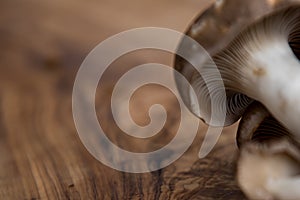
point(41, 157)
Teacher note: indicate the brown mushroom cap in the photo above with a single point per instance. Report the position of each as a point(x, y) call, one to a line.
point(215, 30)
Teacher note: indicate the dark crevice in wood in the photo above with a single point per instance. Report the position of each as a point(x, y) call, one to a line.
point(159, 182)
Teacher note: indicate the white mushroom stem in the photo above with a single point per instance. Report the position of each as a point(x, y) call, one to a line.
point(276, 79)
point(287, 188)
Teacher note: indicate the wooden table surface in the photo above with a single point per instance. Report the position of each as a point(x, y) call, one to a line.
point(41, 156)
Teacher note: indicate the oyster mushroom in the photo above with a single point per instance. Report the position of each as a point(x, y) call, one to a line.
point(269, 160)
point(255, 45)
point(258, 62)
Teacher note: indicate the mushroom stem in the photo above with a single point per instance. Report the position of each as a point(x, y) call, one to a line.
point(290, 185)
point(276, 76)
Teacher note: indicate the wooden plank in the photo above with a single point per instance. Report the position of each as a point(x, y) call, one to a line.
point(41, 155)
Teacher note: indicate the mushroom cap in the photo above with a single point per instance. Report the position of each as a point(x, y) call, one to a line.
point(215, 29)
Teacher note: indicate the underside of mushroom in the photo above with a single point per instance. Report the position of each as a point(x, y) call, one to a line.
point(261, 63)
point(258, 64)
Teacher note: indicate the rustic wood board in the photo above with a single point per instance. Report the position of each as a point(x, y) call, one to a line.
point(41, 156)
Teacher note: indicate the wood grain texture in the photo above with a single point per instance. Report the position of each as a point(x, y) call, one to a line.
point(41, 156)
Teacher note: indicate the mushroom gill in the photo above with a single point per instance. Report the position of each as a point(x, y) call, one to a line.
point(258, 125)
point(260, 63)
